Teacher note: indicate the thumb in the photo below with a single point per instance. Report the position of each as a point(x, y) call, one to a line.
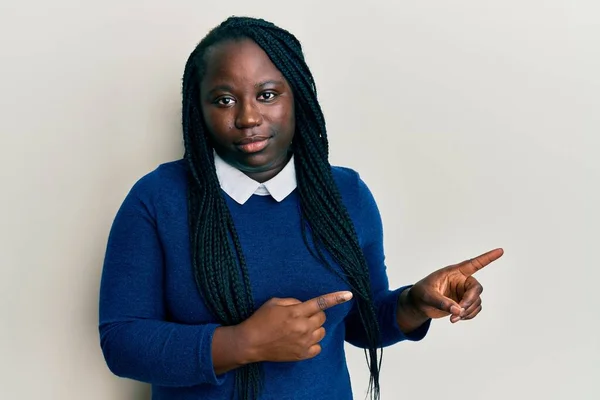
point(440, 302)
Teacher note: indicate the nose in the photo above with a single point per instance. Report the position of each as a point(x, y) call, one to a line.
point(248, 116)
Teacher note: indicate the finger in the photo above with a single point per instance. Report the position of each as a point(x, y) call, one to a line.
point(469, 267)
point(471, 308)
point(322, 303)
point(319, 334)
point(318, 319)
point(313, 351)
point(473, 313)
point(441, 302)
point(469, 312)
point(473, 290)
point(285, 302)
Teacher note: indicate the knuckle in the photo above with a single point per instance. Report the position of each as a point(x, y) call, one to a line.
point(322, 303)
point(443, 305)
point(299, 328)
point(339, 299)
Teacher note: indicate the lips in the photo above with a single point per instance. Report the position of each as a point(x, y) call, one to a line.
point(252, 144)
point(251, 139)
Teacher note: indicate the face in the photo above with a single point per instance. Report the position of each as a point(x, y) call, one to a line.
point(248, 107)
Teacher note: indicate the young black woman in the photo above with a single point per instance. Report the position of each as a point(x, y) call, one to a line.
point(240, 270)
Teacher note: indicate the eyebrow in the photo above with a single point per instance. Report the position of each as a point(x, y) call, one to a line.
point(269, 82)
point(223, 87)
point(226, 88)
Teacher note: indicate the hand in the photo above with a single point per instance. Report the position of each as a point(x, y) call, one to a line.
point(287, 329)
point(452, 290)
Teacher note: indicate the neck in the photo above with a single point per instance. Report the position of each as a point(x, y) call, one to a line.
point(267, 174)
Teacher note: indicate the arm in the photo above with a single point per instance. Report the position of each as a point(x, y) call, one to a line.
point(397, 319)
point(136, 340)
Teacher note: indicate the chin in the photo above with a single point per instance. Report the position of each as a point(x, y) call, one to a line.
point(260, 161)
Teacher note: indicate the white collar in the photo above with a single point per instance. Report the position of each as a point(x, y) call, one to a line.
point(240, 187)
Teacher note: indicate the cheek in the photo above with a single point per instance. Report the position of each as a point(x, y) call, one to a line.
point(286, 120)
point(218, 123)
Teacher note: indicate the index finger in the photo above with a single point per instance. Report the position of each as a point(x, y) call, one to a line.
point(473, 265)
point(322, 303)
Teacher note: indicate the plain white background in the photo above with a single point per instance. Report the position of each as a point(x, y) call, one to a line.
point(475, 123)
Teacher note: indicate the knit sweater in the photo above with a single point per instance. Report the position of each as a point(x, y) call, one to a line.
point(154, 326)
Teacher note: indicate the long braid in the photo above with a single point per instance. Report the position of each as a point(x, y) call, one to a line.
point(217, 257)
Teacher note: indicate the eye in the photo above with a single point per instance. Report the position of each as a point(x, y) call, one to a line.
point(267, 96)
point(224, 101)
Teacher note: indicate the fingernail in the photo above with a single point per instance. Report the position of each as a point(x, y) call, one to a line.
point(346, 296)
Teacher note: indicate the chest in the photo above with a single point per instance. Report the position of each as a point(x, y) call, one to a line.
point(278, 260)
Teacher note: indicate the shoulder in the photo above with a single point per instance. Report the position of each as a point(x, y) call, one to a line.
point(350, 184)
point(166, 180)
point(344, 175)
point(359, 202)
point(355, 193)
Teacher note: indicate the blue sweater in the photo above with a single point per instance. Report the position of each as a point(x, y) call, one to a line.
point(155, 328)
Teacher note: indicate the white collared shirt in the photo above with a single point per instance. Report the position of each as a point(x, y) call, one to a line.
point(240, 187)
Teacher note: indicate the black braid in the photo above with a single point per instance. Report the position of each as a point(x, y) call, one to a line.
point(217, 258)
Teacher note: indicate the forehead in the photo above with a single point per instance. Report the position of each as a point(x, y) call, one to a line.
point(238, 61)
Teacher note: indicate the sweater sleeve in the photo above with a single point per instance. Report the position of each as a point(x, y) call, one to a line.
point(136, 340)
point(369, 225)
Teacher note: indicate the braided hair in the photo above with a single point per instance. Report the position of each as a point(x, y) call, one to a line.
point(218, 261)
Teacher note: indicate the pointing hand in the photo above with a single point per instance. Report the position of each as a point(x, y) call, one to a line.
point(288, 329)
point(452, 290)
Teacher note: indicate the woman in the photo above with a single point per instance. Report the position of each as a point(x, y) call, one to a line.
point(241, 270)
